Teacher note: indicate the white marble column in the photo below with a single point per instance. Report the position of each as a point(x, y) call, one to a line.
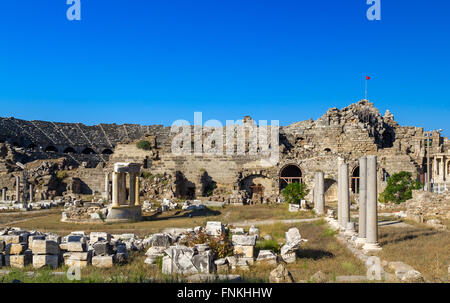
point(3, 194)
point(345, 196)
point(18, 189)
point(137, 189)
point(362, 200)
point(132, 193)
point(115, 189)
point(372, 201)
point(319, 201)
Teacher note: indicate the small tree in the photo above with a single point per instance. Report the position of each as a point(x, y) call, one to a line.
point(399, 188)
point(144, 144)
point(294, 192)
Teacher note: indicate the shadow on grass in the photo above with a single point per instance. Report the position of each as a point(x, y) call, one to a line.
point(182, 214)
point(314, 254)
point(408, 235)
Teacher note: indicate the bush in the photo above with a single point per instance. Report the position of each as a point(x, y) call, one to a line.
point(144, 144)
point(399, 188)
point(220, 246)
point(61, 174)
point(294, 192)
point(147, 175)
point(209, 190)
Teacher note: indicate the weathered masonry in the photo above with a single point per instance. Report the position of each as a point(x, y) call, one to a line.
point(306, 147)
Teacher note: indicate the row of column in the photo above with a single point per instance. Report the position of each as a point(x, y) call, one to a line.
point(119, 189)
point(24, 192)
point(319, 193)
point(368, 199)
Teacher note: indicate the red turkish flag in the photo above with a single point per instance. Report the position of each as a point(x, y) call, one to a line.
point(367, 78)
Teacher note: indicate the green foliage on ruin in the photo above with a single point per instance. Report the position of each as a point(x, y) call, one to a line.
point(221, 246)
point(294, 192)
point(209, 189)
point(144, 144)
point(61, 174)
point(399, 188)
point(147, 175)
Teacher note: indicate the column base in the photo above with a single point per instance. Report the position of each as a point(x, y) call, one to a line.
point(359, 242)
point(124, 213)
point(371, 247)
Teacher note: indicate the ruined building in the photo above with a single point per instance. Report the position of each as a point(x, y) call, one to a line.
point(67, 158)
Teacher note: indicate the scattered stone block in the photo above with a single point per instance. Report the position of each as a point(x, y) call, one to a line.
point(45, 247)
point(99, 236)
point(246, 251)
point(267, 256)
point(18, 261)
point(254, 231)
point(243, 240)
point(40, 261)
point(102, 261)
point(102, 248)
point(280, 275)
point(294, 208)
point(76, 246)
point(160, 240)
point(15, 248)
point(214, 228)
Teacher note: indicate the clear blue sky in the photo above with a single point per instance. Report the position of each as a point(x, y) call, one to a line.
point(155, 61)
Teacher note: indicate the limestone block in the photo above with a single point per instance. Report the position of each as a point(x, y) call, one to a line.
point(214, 228)
point(102, 261)
point(45, 247)
point(40, 261)
point(76, 246)
point(267, 256)
point(246, 251)
point(15, 239)
point(160, 240)
point(76, 263)
point(102, 248)
point(281, 275)
point(243, 240)
point(18, 261)
point(15, 248)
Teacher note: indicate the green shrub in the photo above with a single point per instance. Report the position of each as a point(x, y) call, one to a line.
point(147, 175)
point(209, 189)
point(399, 188)
point(61, 174)
point(144, 144)
point(268, 245)
point(294, 192)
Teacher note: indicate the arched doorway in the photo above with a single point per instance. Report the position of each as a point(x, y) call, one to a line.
point(107, 151)
point(69, 150)
point(355, 180)
point(257, 187)
point(289, 174)
point(51, 149)
point(88, 151)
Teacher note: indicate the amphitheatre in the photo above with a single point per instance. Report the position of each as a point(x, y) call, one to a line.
point(115, 201)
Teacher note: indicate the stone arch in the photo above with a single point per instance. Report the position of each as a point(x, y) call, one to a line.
point(51, 149)
point(88, 151)
point(290, 173)
point(327, 150)
point(31, 146)
point(107, 151)
point(69, 150)
point(355, 180)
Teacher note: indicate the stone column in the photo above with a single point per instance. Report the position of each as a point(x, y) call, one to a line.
point(372, 197)
point(137, 188)
point(107, 192)
point(132, 195)
point(345, 196)
point(4, 194)
point(18, 189)
point(340, 161)
point(31, 193)
point(362, 200)
point(115, 189)
point(122, 189)
point(319, 201)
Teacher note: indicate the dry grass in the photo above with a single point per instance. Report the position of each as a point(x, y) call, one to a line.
point(424, 248)
point(50, 221)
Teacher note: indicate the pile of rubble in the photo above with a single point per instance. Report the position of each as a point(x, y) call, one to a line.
point(19, 248)
point(78, 211)
point(178, 256)
point(429, 208)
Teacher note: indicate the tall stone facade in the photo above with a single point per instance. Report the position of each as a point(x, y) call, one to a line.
point(305, 148)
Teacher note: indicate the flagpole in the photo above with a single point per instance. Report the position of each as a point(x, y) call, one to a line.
point(365, 89)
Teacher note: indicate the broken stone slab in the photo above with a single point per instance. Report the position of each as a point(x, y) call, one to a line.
point(318, 277)
point(208, 278)
point(15, 248)
point(81, 256)
point(179, 260)
point(76, 263)
point(45, 247)
point(76, 239)
point(293, 236)
point(294, 208)
point(203, 262)
point(214, 228)
point(267, 256)
point(399, 268)
point(15, 239)
point(243, 240)
point(237, 231)
point(40, 261)
point(202, 247)
point(102, 261)
point(160, 240)
point(153, 253)
point(280, 275)
point(254, 231)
